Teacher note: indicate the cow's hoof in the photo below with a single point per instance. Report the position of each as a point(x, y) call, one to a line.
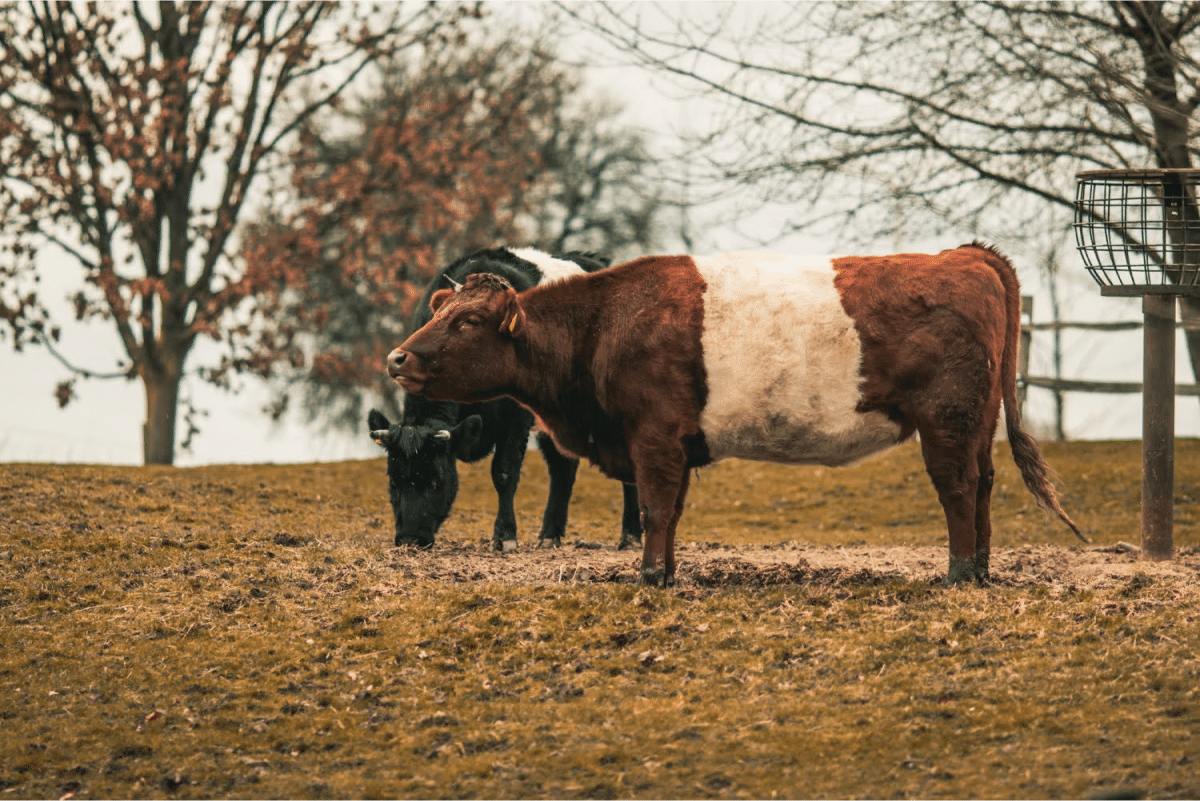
point(656, 578)
point(417, 544)
point(629, 541)
point(550, 542)
point(982, 573)
point(964, 571)
point(504, 546)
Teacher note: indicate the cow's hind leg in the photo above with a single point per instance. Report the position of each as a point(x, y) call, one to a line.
point(983, 513)
point(954, 470)
point(563, 470)
point(989, 417)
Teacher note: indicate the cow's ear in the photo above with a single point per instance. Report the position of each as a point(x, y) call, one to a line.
point(376, 420)
point(378, 425)
point(440, 297)
point(514, 316)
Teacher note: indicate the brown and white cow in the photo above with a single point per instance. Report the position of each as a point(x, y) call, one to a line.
point(667, 363)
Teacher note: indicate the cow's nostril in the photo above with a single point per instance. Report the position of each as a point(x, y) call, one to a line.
point(395, 359)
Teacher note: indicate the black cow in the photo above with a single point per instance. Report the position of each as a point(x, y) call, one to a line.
point(423, 448)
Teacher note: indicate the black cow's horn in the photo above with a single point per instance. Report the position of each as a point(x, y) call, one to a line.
point(457, 286)
point(379, 434)
point(443, 434)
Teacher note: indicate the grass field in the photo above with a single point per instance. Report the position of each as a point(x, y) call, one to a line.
point(248, 631)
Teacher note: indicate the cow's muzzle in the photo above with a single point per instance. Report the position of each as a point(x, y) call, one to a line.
point(406, 368)
point(395, 362)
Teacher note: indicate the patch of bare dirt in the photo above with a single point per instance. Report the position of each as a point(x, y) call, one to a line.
point(711, 565)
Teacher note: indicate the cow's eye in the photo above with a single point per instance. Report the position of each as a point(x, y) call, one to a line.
point(468, 322)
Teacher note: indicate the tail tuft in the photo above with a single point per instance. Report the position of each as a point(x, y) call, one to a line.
point(1036, 473)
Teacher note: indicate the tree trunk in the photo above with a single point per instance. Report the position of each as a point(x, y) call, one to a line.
point(1171, 118)
point(162, 401)
point(1189, 313)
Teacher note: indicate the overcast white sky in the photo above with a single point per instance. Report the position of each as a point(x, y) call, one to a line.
point(104, 424)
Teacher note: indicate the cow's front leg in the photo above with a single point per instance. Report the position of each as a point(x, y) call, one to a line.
point(631, 520)
point(662, 483)
point(563, 470)
point(506, 474)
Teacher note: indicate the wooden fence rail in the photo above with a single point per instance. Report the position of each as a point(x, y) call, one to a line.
point(1025, 380)
point(1130, 325)
point(1070, 385)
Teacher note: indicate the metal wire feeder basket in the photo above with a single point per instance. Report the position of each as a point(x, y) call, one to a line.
point(1139, 230)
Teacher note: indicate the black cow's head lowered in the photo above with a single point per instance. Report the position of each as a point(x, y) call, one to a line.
point(422, 472)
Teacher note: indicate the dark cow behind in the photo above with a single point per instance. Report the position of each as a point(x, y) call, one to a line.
point(664, 364)
point(424, 446)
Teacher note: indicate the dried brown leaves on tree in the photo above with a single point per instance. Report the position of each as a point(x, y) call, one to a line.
point(131, 137)
point(468, 147)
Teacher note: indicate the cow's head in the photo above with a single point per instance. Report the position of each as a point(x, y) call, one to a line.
point(465, 353)
point(422, 472)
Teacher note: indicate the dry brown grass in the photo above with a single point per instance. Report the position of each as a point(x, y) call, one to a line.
point(249, 632)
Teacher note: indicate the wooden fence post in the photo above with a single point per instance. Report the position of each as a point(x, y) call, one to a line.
point(1158, 426)
point(1158, 390)
point(1023, 351)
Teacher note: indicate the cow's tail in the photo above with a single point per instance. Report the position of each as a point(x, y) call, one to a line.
point(1034, 470)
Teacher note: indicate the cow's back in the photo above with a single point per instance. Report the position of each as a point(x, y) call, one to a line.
point(782, 359)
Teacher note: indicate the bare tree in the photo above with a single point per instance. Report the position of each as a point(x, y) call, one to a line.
point(971, 115)
point(595, 189)
point(131, 135)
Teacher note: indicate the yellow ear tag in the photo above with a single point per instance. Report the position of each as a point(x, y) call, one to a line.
point(512, 327)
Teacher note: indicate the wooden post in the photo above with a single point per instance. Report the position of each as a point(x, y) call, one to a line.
point(1158, 427)
point(1023, 351)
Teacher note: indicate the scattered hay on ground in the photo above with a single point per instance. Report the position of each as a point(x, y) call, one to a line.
point(715, 565)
